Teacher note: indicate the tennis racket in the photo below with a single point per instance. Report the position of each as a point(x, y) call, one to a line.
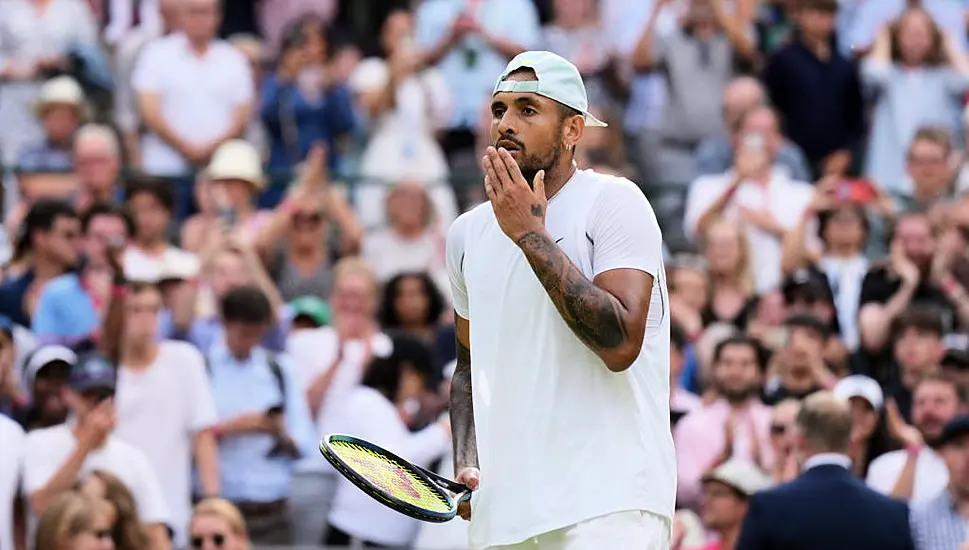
point(393, 481)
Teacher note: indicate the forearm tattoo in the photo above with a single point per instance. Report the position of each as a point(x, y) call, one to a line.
point(593, 314)
point(462, 412)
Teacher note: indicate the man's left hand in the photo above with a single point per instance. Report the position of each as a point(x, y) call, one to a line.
point(519, 208)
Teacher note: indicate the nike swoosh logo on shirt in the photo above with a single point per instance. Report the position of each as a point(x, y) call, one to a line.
point(558, 240)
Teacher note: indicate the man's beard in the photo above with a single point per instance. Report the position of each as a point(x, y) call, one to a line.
point(737, 397)
point(531, 164)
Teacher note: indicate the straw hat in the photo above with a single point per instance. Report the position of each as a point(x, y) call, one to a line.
point(62, 90)
point(237, 160)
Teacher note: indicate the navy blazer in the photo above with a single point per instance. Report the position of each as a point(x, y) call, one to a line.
point(825, 508)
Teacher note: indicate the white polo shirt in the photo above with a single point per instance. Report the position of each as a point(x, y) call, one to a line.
point(199, 95)
point(11, 465)
point(931, 474)
point(561, 439)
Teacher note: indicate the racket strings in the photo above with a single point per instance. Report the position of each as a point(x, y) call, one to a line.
point(390, 476)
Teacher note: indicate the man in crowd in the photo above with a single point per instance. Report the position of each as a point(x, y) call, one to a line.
point(834, 511)
point(263, 422)
point(736, 425)
point(57, 457)
point(801, 367)
point(60, 108)
point(45, 374)
point(11, 468)
point(940, 522)
point(930, 173)
point(917, 350)
point(97, 165)
point(916, 473)
point(726, 493)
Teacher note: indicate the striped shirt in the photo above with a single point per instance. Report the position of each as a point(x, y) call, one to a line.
point(938, 525)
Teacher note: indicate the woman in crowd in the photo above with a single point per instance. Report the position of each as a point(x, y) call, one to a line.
point(127, 532)
point(782, 425)
point(377, 411)
point(413, 305)
point(71, 522)
point(918, 76)
point(218, 525)
point(727, 253)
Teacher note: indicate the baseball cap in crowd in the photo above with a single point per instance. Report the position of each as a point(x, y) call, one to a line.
point(806, 285)
point(859, 385)
point(312, 308)
point(740, 475)
point(556, 79)
point(956, 351)
point(953, 430)
point(92, 371)
point(46, 356)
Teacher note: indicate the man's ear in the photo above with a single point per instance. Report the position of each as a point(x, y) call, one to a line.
point(572, 131)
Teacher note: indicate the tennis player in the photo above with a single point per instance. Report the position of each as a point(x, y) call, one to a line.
point(560, 397)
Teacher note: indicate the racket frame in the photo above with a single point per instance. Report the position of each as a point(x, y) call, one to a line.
point(461, 492)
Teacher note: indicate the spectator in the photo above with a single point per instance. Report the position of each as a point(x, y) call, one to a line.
point(60, 109)
point(406, 103)
point(252, 48)
point(576, 34)
point(37, 38)
point(413, 239)
point(165, 405)
point(46, 372)
point(310, 312)
point(689, 288)
point(263, 421)
point(235, 179)
point(870, 18)
point(152, 203)
point(97, 165)
point(715, 154)
point(940, 522)
point(412, 304)
point(955, 361)
point(728, 253)
point(374, 412)
point(12, 397)
point(839, 512)
point(866, 400)
point(11, 467)
point(217, 521)
point(70, 307)
point(70, 522)
point(782, 440)
point(764, 198)
point(735, 425)
point(817, 91)
point(681, 400)
point(912, 45)
point(799, 365)
point(304, 102)
point(47, 246)
point(697, 62)
point(330, 362)
point(726, 492)
point(193, 91)
point(917, 350)
point(929, 186)
point(127, 532)
point(55, 457)
point(917, 473)
point(807, 292)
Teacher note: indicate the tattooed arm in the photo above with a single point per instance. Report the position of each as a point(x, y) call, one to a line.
point(607, 313)
point(462, 408)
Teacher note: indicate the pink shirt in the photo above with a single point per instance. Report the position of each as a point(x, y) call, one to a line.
point(699, 440)
point(684, 401)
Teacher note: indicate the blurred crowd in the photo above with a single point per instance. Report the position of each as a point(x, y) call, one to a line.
point(224, 238)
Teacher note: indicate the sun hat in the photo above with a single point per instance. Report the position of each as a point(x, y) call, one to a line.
point(61, 90)
point(741, 475)
point(237, 159)
point(556, 79)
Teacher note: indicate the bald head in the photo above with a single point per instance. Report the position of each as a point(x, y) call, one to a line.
point(825, 423)
point(742, 94)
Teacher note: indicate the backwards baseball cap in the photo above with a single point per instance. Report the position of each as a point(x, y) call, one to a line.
point(43, 357)
point(556, 79)
point(864, 387)
point(91, 372)
point(740, 475)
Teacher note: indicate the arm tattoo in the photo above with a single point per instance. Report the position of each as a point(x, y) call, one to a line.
point(462, 413)
point(593, 314)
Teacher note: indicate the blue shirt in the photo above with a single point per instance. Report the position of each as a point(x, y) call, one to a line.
point(65, 313)
point(868, 18)
point(206, 332)
point(247, 386)
point(44, 158)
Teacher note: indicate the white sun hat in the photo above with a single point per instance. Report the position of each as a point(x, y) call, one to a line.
point(61, 90)
point(237, 159)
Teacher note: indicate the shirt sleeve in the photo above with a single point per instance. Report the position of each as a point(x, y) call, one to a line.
point(147, 76)
point(243, 90)
point(455, 265)
point(624, 231)
point(41, 460)
point(147, 490)
point(881, 475)
point(204, 413)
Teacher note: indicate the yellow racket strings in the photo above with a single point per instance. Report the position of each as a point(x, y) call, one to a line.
point(391, 477)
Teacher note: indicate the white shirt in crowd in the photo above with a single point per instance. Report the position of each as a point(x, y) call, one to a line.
point(371, 416)
point(783, 197)
point(199, 95)
point(159, 410)
point(48, 449)
point(391, 255)
point(546, 408)
point(931, 474)
point(11, 465)
point(312, 352)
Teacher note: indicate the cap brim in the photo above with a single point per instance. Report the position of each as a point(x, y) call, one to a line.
point(594, 122)
point(93, 385)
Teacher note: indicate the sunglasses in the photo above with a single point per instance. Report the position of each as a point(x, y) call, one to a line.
point(307, 219)
point(217, 539)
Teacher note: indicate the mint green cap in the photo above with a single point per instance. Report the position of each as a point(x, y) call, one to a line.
point(314, 308)
point(557, 79)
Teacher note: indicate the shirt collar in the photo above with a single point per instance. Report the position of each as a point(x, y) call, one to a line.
point(827, 459)
point(220, 352)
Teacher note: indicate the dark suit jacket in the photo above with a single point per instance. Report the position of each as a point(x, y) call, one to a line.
point(825, 508)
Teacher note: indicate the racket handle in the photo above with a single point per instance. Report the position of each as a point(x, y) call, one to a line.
point(461, 497)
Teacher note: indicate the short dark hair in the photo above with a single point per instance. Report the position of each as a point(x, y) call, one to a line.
point(921, 318)
point(107, 209)
point(809, 322)
point(943, 378)
point(41, 217)
point(435, 300)
point(828, 6)
point(156, 187)
point(246, 304)
point(567, 112)
point(678, 337)
point(760, 353)
point(383, 373)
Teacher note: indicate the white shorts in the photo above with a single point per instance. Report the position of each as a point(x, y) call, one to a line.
point(631, 529)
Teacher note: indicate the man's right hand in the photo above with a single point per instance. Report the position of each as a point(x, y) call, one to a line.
point(97, 425)
point(470, 477)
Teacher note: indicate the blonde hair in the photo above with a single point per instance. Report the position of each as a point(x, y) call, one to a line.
point(65, 517)
point(745, 275)
point(355, 265)
point(825, 423)
point(227, 512)
point(128, 532)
